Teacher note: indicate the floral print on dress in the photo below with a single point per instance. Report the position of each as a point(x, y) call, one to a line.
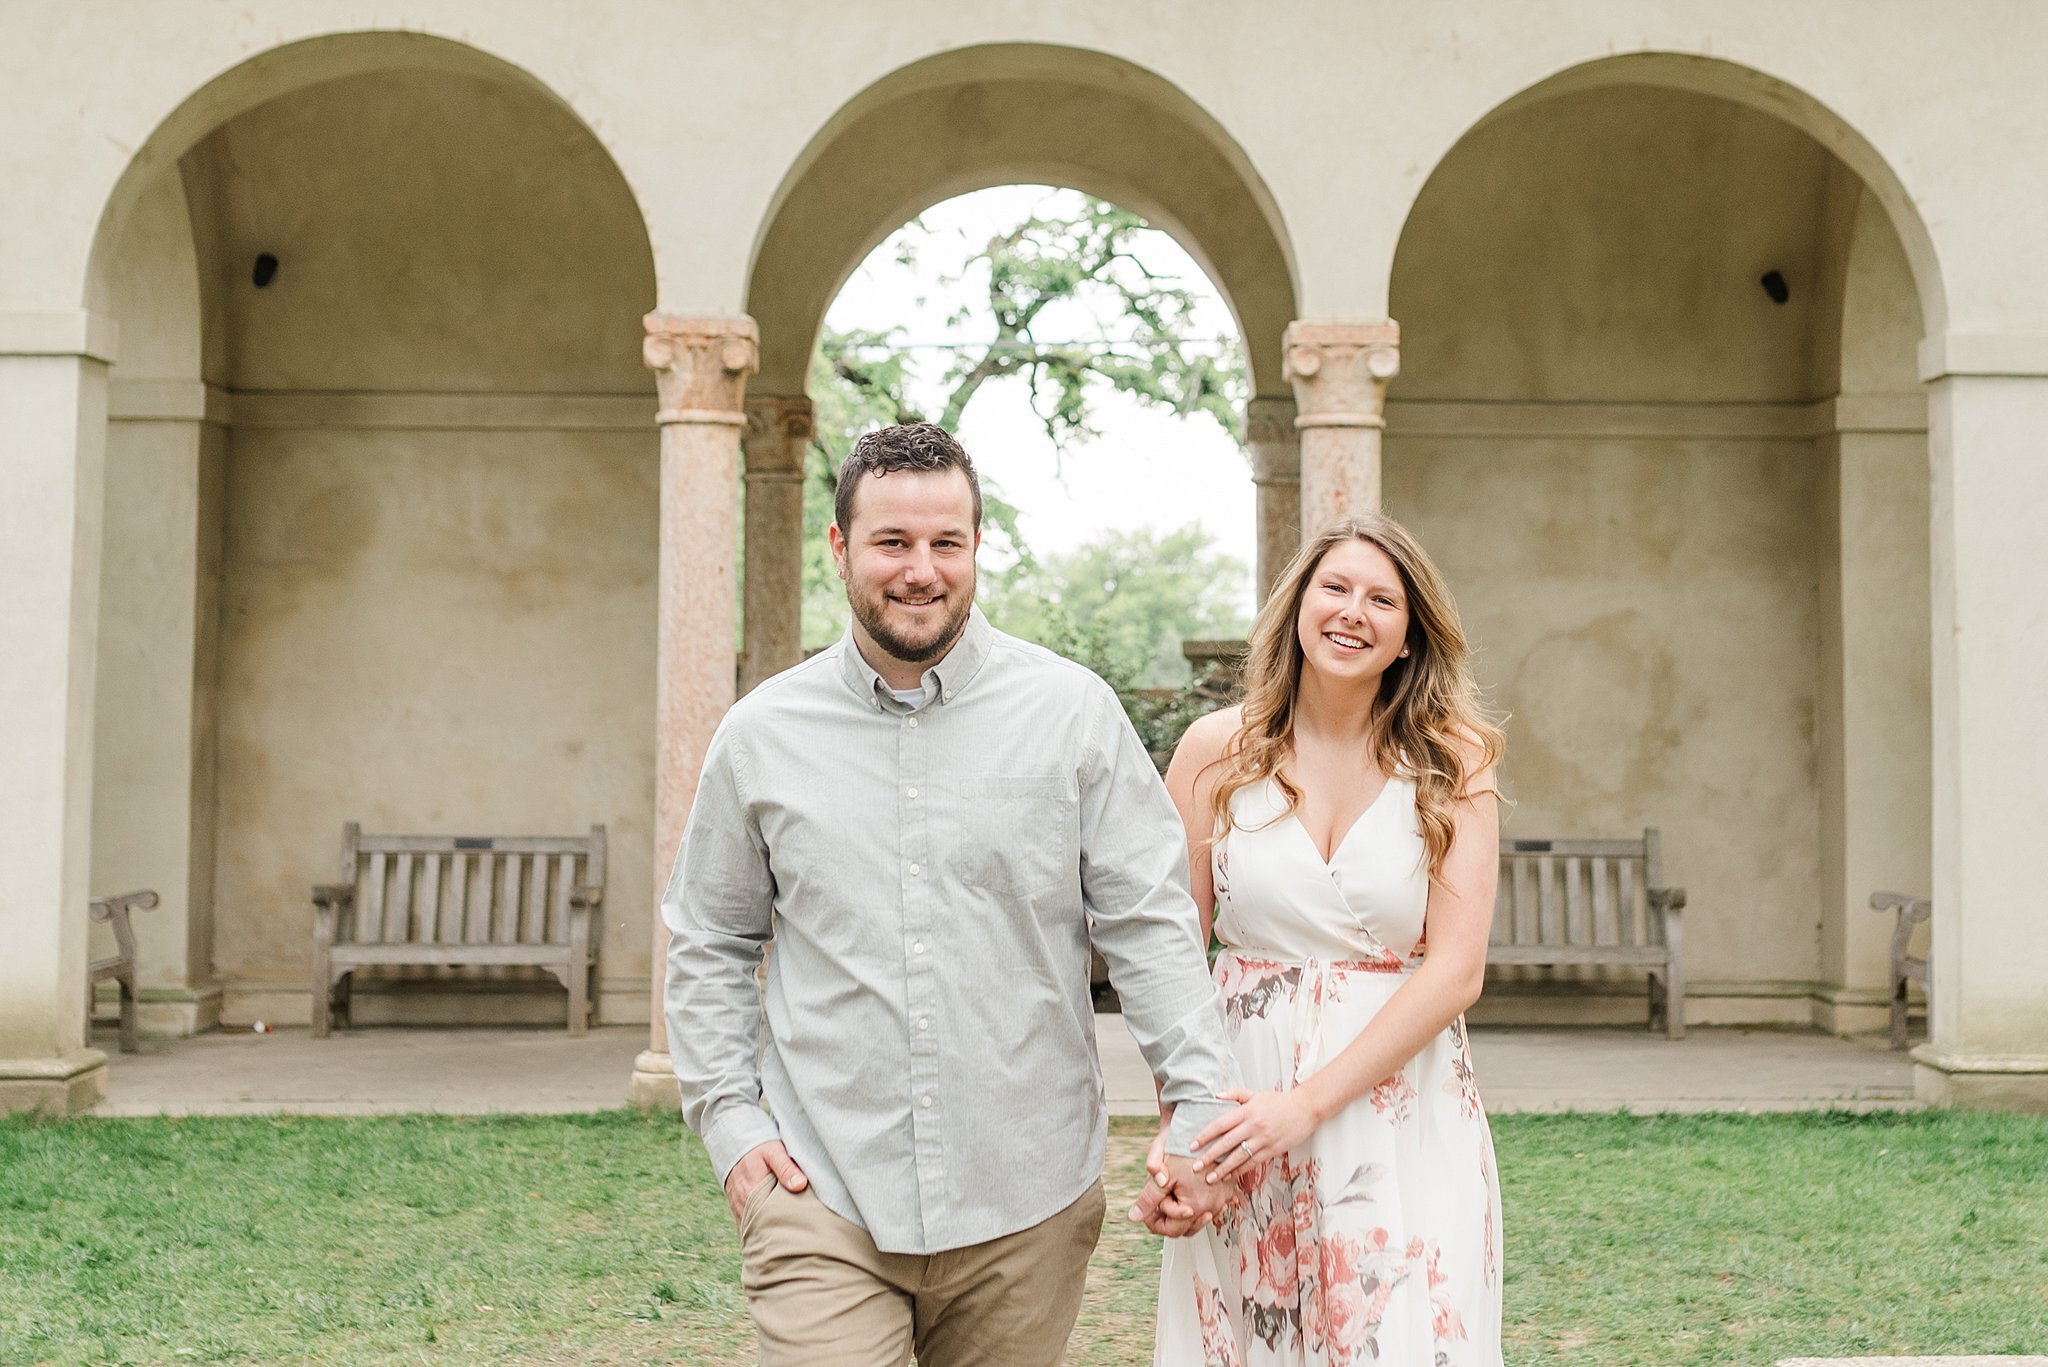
point(1393, 1097)
point(1339, 1256)
point(1251, 987)
point(1376, 1242)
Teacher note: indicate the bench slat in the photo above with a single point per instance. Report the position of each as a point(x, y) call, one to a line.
point(1578, 930)
point(430, 898)
point(372, 927)
point(1604, 931)
point(445, 955)
point(1577, 955)
point(533, 917)
point(1525, 902)
point(482, 898)
point(565, 883)
point(398, 925)
point(452, 844)
point(1629, 913)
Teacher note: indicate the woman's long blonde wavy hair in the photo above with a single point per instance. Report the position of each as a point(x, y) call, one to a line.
point(1427, 723)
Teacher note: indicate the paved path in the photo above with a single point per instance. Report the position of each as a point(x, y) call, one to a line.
point(472, 1071)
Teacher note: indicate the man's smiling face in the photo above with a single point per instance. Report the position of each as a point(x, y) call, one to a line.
point(908, 561)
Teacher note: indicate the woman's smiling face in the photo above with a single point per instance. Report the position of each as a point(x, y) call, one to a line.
point(1353, 622)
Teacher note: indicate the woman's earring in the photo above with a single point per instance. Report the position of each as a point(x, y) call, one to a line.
point(1404, 652)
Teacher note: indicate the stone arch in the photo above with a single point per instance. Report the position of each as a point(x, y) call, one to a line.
point(1654, 477)
point(281, 70)
point(1016, 114)
point(430, 438)
point(1767, 94)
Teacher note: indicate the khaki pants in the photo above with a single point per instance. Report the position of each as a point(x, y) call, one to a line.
point(822, 1293)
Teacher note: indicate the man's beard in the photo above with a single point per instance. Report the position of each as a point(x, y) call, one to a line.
point(871, 612)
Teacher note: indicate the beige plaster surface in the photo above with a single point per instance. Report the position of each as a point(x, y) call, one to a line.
point(446, 631)
point(49, 600)
point(1646, 617)
point(1990, 617)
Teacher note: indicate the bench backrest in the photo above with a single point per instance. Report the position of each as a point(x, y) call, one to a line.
point(1577, 893)
point(463, 889)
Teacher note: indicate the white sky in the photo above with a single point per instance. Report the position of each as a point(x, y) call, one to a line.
point(1148, 468)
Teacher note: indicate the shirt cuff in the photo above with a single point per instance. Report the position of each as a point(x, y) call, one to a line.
point(738, 1130)
point(1190, 1118)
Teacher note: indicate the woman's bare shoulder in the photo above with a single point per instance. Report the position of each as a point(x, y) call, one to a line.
point(1208, 734)
point(1201, 745)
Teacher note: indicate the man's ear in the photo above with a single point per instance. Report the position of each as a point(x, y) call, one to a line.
point(837, 541)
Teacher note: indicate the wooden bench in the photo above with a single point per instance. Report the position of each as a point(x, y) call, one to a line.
point(120, 965)
point(1905, 967)
point(459, 900)
point(1596, 903)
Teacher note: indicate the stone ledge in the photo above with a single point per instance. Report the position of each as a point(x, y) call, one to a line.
point(64, 1085)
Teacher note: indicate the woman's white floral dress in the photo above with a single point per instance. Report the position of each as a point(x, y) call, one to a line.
point(1378, 1241)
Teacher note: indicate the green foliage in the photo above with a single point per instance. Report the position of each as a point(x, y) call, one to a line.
point(1126, 600)
point(1052, 265)
point(1143, 345)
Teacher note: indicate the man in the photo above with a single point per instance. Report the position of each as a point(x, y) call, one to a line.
point(924, 817)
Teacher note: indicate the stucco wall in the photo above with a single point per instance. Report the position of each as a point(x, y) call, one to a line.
point(1601, 430)
point(438, 574)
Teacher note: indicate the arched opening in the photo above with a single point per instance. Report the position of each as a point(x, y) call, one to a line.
point(1658, 415)
point(1011, 115)
point(380, 536)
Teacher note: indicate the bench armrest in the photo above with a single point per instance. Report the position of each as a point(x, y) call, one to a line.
point(586, 895)
point(1914, 909)
point(1666, 899)
point(105, 908)
point(334, 895)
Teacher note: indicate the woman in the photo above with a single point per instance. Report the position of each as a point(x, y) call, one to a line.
point(1346, 811)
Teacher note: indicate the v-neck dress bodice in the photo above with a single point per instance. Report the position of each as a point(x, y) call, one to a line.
point(1376, 1240)
point(1277, 897)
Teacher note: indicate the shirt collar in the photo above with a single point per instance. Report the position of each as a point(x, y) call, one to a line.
point(942, 678)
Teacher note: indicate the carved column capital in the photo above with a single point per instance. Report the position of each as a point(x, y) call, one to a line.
point(701, 367)
point(777, 431)
point(1340, 371)
point(1272, 442)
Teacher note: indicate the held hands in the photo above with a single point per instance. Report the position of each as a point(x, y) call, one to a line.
point(1262, 1126)
point(762, 1163)
point(1176, 1202)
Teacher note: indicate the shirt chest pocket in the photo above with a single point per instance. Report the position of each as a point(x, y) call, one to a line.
point(1017, 835)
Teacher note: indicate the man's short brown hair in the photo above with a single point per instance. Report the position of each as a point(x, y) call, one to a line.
point(906, 446)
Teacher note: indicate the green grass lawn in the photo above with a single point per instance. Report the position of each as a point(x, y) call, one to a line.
point(604, 1239)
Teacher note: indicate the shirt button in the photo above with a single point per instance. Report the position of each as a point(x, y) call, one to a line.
point(924, 1023)
point(910, 722)
point(925, 1101)
point(913, 870)
point(917, 948)
point(910, 792)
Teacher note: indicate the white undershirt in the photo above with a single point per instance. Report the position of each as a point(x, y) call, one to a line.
point(909, 697)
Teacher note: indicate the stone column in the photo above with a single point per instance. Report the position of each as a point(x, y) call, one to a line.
point(1875, 765)
point(1987, 408)
point(53, 389)
point(1340, 373)
point(153, 728)
point(1274, 445)
point(778, 434)
point(701, 367)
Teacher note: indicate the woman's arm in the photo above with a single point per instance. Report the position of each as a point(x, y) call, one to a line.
point(1458, 920)
point(1190, 782)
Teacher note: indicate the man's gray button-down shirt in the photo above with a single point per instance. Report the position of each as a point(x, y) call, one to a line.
point(927, 876)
